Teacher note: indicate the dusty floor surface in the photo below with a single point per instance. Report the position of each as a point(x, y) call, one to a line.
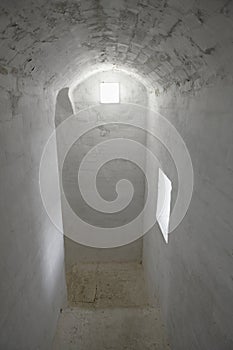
point(109, 309)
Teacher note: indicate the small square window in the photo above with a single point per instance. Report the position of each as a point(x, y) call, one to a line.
point(109, 93)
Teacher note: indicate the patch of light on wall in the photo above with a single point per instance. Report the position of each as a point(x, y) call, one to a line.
point(164, 203)
point(109, 93)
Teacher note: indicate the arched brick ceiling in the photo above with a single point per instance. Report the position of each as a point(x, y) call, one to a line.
point(182, 42)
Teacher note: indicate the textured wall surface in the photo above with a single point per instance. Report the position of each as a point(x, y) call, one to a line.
point(32, 253)
point(187, 43)
point(192, 275)
point(83, 96)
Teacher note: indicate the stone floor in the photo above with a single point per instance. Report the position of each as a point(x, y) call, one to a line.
point(109, 309)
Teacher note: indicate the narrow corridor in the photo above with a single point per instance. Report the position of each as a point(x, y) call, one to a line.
point(116, 147)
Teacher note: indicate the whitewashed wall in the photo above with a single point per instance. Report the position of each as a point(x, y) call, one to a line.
point(192, 275)
point(85, 95)
point(32, 253)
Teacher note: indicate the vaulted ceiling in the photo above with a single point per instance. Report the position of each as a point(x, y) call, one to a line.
point(183, 42)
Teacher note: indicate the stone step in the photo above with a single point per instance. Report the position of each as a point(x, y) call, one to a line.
point(135, 328)
point(107, 285)
point(109, 309)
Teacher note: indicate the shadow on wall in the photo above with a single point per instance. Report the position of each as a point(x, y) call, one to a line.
point(84, 95)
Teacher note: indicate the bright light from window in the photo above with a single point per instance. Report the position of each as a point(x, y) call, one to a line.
point(109, 93)
point(164, 203)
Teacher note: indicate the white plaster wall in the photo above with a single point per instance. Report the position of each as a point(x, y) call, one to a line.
point(85, 95)
point(32, 251)
point(192, 275)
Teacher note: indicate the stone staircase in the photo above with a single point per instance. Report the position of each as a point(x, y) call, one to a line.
point(108, 308)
